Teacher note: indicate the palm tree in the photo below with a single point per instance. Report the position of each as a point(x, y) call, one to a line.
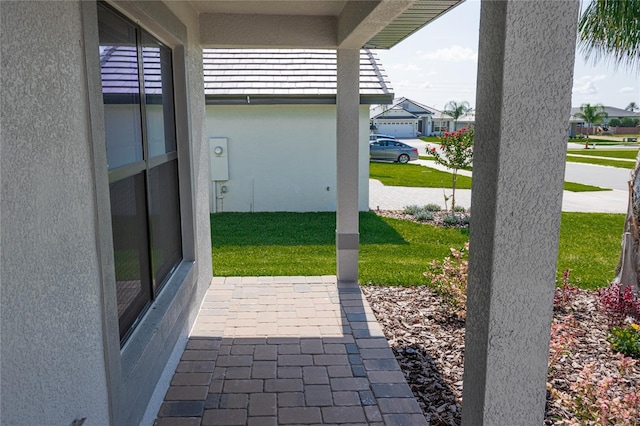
point(591, 114)
point(456, 110)
point(632, 107)
point(610, 30)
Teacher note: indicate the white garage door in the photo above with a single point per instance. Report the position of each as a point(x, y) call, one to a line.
point(399, 128)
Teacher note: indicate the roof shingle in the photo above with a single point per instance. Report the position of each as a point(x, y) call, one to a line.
point(296, 73)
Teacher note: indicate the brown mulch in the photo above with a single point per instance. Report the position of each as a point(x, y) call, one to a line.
point(428, 342)
point(427, 339)
point(438, 217)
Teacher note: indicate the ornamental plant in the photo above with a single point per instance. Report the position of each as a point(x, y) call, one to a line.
point(626, 340)
point(562, 339)
point(564, 294)
point(617, 304)
point(455, 153)
point(590, 399)
point(592, 403)
point(449, 279)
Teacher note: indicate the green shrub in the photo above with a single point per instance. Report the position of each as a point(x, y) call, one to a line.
point(412, 209)
point(459, 209)
point(626, 340)
point(615, 122)
point(423, 216)
point(432, 207)
point(629, 122)
point(449, 279)
point(451, 220)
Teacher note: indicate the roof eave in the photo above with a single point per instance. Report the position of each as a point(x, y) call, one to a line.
point(421, 13)
point(291, 99)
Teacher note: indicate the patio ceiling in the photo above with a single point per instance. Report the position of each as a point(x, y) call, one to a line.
point(376, 24)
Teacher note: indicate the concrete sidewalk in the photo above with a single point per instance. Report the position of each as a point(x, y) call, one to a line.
point(615, 201)
point(397, 197)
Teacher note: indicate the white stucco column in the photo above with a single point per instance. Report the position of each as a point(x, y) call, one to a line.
point(525, 74)
point(348, 100)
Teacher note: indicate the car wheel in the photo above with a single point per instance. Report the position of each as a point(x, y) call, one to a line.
point(404, 159)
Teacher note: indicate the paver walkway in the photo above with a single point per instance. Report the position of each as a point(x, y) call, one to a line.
point(287, 350)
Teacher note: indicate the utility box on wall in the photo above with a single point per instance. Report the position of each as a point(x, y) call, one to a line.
point(218, 159)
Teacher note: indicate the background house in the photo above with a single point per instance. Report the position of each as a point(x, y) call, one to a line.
point(403, 119)
point(406, 118)
point(442, 122)
point(274, 112)
point(577, 126)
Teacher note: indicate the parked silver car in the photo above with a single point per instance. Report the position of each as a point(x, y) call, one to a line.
point(374, 137)
point(392, 150)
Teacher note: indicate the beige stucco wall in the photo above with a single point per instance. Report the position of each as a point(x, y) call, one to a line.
point(283, 157)
point(53, 365)
point(60, 349)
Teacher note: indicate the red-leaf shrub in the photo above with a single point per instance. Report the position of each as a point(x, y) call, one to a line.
point(617, 304)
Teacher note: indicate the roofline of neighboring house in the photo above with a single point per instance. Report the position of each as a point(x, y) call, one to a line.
point(290, 100)
point(395, 117)
point(429, 109)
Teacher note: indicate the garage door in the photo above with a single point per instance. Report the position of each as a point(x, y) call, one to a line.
point(399, 129)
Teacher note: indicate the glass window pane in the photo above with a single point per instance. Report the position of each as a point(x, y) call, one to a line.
point(131, 250)
point(158, 90)
point(120, 89)
point(166, 236)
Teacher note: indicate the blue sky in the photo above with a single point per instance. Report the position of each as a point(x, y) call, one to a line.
point(439, 63)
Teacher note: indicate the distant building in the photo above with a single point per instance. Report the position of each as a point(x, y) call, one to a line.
point(577, 126)
point(406, 118)
point(273, 113)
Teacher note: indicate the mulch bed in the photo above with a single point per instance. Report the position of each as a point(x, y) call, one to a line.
point(427, 339)
point(438, 217)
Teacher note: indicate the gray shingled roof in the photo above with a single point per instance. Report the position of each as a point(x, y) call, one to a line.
point(286, 76)
point(119, 69)
point(611, 112)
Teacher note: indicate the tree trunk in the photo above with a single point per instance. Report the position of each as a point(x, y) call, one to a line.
point(627, 271)
point(453, 192)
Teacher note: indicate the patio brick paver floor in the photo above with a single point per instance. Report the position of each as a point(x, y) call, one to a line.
point(287, 351)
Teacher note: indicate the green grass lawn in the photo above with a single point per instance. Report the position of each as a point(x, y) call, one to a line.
point(601, 162)
point(392, 251)
point(592, 140)
point(590, 246)
point(413, 175)
point(430, 158)
point(607, 143)
point(629, 154)
point(580, 187)
point(430, 138)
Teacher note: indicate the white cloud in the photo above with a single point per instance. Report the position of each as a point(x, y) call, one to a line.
point(402, 84)
point(426, 85)
point(405, 67)
point(586, 85)
point(627, 89)
point(452, 54)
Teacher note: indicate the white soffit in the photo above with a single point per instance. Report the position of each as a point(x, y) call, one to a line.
point(411, 20)
point(378, 24)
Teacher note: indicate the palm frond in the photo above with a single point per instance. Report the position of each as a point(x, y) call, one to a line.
point(609, 30)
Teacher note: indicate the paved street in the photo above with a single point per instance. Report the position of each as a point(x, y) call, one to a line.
point(615, 201)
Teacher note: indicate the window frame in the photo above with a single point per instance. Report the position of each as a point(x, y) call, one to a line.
point(134, 368)
point(144, 167)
